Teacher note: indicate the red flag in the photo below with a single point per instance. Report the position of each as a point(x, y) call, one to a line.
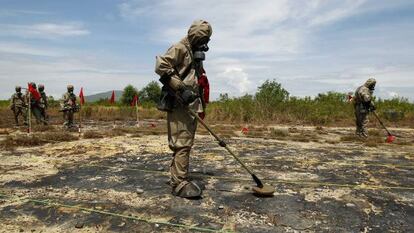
point(205, 86)
point(81, 97)
point(112, 100)
point(135, 100)
point(33, 92)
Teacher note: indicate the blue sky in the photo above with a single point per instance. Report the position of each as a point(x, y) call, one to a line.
point(310, 46)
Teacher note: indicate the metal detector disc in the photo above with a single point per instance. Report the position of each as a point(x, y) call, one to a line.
point(266, 190)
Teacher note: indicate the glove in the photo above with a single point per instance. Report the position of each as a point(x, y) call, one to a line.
point(176, 83)
point(372, 107)
point(188, 96)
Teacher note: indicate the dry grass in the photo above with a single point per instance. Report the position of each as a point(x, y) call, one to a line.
point(92, 134)
point(279, 133)
point(43, 128)
point(4, 132)
point(375, 132)
point(350, 138)
point(36, 139)
point(371, 141)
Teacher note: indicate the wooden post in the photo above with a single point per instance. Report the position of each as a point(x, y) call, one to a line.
point(80, 120)
point(29, 117)
point(136, 108)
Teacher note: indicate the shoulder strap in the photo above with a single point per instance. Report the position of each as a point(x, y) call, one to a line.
point(187, 70)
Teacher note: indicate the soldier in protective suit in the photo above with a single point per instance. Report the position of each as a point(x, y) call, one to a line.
point(35, 108)
point(180, 73)
point(363, 104)
point(18, 105)
point(43, 102)
point(69, 107)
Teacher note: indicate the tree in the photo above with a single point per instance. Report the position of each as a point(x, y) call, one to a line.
point(150, 93)
point(271, 93)
point(128, 94)
point(270, 96)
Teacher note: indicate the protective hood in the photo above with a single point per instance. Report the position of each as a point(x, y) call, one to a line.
point(370, 83)
point(198, 30)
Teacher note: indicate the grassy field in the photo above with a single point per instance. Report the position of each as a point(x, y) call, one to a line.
point(271, 104)
point(317, 112)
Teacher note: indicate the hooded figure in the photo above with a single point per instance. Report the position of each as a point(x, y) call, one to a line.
point(69, 107)
point(43, 101)
point(180, 68)
point(363, 104)
point(18, 105)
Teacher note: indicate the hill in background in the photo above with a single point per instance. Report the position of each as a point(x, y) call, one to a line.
point(103, 95)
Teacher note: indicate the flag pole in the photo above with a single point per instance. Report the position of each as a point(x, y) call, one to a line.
point(80, 111)
point(80, 120)
point(136, 108)
point(29, 117)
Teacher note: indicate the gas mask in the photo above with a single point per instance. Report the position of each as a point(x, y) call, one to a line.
point(372, 87)
point(199, 50)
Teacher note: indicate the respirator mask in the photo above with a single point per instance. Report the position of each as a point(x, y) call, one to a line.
point(199, 50)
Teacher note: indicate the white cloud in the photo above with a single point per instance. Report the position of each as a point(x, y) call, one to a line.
point(236, 79)
point(44, 30)
point(333, 11)
point(393, 94)
point(24, 49)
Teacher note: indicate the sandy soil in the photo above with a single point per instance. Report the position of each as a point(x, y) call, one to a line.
point(119, 184)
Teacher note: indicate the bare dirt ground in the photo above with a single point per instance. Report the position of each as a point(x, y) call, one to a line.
point(324, 182)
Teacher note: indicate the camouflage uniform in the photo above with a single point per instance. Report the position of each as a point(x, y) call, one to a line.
point(18, 106)
point(69, 107)
point(363, 104)
point(177, 65)
point(35, 108)
point(43, 102)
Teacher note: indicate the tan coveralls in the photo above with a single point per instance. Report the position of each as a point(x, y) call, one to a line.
point(18, 106)
point(181, 125)
point(43, 104)
point(69, 107)
point(362, 100)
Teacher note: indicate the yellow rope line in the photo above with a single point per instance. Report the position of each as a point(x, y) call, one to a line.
point(103, 212)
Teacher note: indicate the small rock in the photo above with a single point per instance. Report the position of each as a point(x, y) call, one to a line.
point(95, 189)
point(122, 224)
point(221, 207)
point(246, 187)
point(139, 191)
point(160, 169)
point(79, 225)
point(21, 230)
point(63, 178)
point(350, 205)
point(157, 225)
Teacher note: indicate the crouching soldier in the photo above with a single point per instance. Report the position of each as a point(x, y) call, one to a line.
point(69, 107)
point(18, 106)
point(180, 74)
point(43, 102)
point(363, 104)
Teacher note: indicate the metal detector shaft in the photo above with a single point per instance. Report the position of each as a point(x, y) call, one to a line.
point(382, 124)
point(220, 141)
point(223, 144)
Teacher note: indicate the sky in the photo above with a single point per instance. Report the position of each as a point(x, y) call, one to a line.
point(309, 46)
